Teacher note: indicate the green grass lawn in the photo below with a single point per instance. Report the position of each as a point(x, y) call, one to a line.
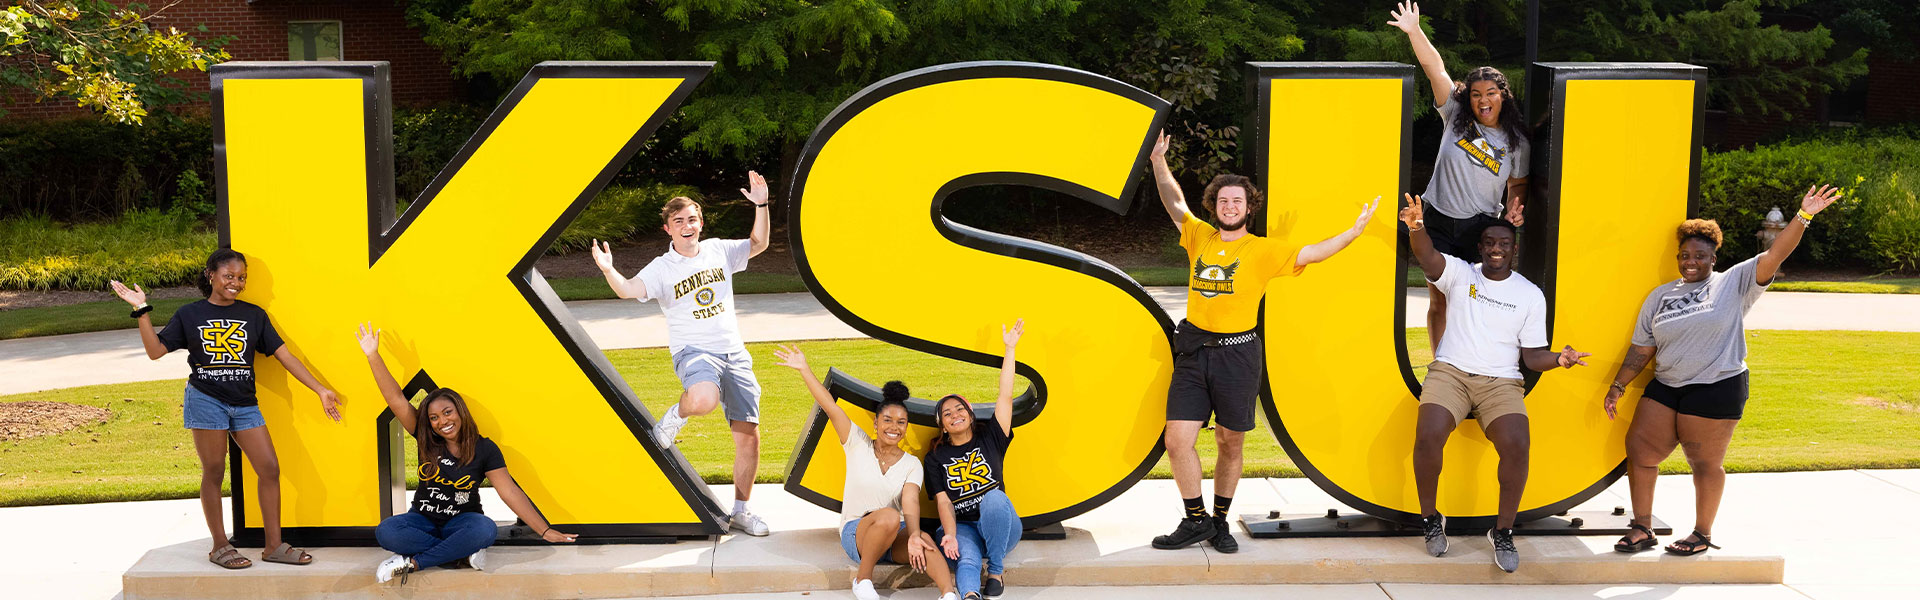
point(1864, 286)
point(1821, 400)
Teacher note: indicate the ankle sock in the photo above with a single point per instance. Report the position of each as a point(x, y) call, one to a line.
point(739, 506)
point(1195, 510)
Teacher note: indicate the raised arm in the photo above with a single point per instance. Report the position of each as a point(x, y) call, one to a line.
point(1637, 358)
point(622, 286)
point(1003, 407)
point(756, 192)
point(1543, 360)
point(403, 410)
point(516, 499)
point(149, 339)
point(1170, 196)
point(1406, 18)
point(791, 357)
point(1430, 259)
point(1326, 248)
point(329, 402)
point(1816, 200)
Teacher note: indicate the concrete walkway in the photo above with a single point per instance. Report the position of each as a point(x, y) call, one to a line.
point(44, 363)
point(1870, 548)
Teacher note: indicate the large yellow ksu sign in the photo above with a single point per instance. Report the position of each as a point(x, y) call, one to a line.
point(305, 180)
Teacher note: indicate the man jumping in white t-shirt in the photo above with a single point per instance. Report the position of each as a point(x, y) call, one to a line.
point(693, 282)
point(1496, 321)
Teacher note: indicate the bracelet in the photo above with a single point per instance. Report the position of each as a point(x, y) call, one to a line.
point(761, 204)
point(1619, 386)
point(144, 309)
point(1805, 216)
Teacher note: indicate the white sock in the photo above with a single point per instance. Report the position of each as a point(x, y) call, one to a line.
point(739, 506)
point(673, 414)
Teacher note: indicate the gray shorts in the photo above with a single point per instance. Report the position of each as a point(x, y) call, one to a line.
point(739, 391)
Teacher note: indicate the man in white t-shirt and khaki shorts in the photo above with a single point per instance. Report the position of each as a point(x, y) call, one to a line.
point(1496, 321)
point(694, 283)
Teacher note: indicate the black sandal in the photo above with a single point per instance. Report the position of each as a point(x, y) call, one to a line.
point(1629, 546)
point(1688, 547)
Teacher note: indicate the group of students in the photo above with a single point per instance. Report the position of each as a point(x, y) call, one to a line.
point(1487, 323)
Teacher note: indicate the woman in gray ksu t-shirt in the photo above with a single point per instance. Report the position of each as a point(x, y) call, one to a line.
point(1482, 164)
point(1693, 330)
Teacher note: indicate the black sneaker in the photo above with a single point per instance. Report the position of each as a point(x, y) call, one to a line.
point(1505, 555)
point(1435, 528)
point(1223, 536)
point(1191, 530)
point(993, 588)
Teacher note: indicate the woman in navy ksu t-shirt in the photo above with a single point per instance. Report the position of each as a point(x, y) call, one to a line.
point(964, 477)
point(221, 335)
point(444, 523)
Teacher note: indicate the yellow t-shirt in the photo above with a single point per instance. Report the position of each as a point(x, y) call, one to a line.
point(1228, 278)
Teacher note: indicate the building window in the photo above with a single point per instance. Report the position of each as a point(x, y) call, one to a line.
point(313, 40)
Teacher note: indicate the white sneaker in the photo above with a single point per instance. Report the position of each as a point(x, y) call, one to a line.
point(667, 429)
point(863, 590)
point(478, 560)
point(750, 524)
point(393, 565)
point(949, 596)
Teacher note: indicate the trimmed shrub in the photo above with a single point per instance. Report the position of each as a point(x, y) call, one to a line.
point(1875, 224)
point(145, 246)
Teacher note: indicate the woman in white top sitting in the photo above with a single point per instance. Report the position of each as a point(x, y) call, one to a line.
point(880, 506)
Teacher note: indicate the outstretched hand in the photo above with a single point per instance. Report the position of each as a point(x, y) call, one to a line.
point(950, 546)
point(1570, 357)
point(1012, 336)
point(602, 255)
point(1366, 214)
point(1413, 215)
point(134, 295)
point(1819, 199)
point(791, 357)
point(330, 404)
point(1160, 145)
point(1514, 210)
point(917, 547)
point(1406, 17)
point(369, 339)
point(756, 190)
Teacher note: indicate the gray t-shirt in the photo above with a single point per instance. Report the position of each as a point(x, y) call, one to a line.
point(1698, 330)
point(1470, 175)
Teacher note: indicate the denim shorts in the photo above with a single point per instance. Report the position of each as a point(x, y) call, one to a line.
point(852, 545)
point(739, 391)
point(206, 412)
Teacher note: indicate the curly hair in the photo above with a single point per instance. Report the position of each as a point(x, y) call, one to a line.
point(1703, 229)
point(1512, 122)
point(1229, 180)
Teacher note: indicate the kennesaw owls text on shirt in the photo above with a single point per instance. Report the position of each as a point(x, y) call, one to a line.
point(1674, 308)
point(698, 281)
point(1488, 156)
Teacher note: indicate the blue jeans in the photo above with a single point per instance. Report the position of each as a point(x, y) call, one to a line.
point(988, 539)
point(413, 535)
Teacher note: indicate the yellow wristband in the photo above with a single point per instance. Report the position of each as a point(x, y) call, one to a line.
point(1804, 215)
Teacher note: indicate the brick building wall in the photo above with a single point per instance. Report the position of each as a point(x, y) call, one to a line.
point(370, 30)
point(1893, 90)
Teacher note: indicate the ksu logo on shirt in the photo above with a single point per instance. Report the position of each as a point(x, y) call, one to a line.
point(969, 473)
point(1674, 308)
point(1488, 156)
point(1213, 280)
point(224, 341)
point(1473, 292)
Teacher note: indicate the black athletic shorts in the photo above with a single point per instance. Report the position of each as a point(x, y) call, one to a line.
point(1456, 237)
point(1217, 381)
point(1723, 399)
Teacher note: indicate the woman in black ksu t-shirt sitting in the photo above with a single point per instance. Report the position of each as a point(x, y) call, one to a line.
point(964, 477)
point(444, 523)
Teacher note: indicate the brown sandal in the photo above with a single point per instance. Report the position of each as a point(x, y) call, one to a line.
point(286, 554)
point(229, 557)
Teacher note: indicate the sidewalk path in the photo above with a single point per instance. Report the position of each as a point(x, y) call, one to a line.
point(44, 363)
point(1870, 551)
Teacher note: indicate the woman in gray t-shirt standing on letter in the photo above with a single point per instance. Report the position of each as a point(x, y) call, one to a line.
point(1693, 330)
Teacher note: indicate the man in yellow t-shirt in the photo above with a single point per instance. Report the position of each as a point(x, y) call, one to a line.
point(1217, 355)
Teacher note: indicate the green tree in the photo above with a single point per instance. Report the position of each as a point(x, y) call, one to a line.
point(782, 65)
point(106, 58)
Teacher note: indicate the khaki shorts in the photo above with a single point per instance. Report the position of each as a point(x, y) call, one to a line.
point(1483, 397)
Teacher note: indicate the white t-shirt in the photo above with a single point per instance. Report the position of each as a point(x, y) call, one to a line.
point(1488, 321)
point(868, 489)
point(696, 294)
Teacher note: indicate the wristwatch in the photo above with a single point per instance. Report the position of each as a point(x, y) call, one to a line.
point(144, 309)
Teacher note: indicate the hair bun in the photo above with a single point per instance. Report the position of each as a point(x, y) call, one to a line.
point(894, 391)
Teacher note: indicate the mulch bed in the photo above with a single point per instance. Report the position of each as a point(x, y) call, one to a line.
point(23, 420)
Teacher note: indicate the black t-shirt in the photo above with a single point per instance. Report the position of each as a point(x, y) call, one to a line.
point(968, 471)
point(220, 343)
point(450, 489)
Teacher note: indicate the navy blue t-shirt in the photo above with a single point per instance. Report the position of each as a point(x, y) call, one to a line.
point(221, 342)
